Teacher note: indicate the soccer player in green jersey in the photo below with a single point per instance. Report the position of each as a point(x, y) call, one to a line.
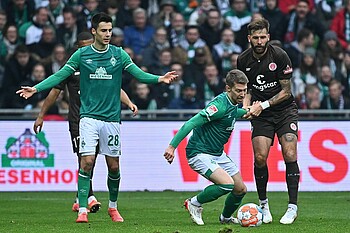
point(212, 127)
point(101, 66)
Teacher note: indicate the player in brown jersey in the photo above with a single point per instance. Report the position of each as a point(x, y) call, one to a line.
point(269, 71)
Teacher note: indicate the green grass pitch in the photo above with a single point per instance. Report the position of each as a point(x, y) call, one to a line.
point(156, 212)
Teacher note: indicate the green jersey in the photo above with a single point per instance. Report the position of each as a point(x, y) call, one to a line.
point(100, 80)
point(212, 127)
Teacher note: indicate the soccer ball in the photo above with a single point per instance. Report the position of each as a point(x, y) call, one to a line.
point(250, 215)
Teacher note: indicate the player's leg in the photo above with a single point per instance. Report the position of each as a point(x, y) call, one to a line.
point(89, 129)
point(110, 146)
point(262, 139)
point(207, 166)
point(94, 204)
point(288, 138)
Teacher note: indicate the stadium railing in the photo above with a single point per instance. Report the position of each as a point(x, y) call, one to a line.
point(174, 114)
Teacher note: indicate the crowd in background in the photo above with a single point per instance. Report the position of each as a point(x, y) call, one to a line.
point(199, 39)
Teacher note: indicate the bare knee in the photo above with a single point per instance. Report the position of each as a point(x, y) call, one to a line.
point(114, 168)
point(260, 160)
point(240, 189)
point(87, 164)
point(290, 156)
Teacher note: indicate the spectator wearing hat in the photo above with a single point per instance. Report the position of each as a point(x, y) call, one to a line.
point(188, 99)
point(138, 36)
point(117, 37)
point(341, 26)
point(305, 74)
point(330, 52)
point(185, 51)
point(165, 14)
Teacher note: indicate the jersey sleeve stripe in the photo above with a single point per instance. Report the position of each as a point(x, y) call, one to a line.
point(71, 67)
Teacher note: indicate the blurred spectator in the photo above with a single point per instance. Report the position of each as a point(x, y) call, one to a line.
point(44, 48)
point(20, 12)
point(296, 49)
point(188, 99)
point(164, 16)
point(56, 60)
point(17, 70)
point(3, 21)
point(30, 32)
point(335, 99)
point(306, 73)
point(151, 54)
point(176, 31)
point(239, 17)
point(163, 66)
point(212, 85)
point(223, 6)
point(138, 36)
point(185, 52)
point(9, 42)
point(126, 76)
point(67, 33)
point(117, 37)
point(200, 14)
point(288, 6)
point(90, 7)
point(276, 18)
point(311, 98)
point(151, 6)
point(223, 50)
point(233, 61)
point(341, 26)
point(325, 78)
point(343, 75)
point(142, 97)
point(302, 18)
point(55, 12)
point(331, 52)
point(326, 11)
point(111, 8)
point(126, 12)
point(186, 7)
point(211, 29)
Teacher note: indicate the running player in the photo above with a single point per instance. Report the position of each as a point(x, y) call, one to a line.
point(269, 71)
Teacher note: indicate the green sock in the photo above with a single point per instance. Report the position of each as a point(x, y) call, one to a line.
point(231, 204)
point(83, 187)
point(213, 192)
point(113, 182)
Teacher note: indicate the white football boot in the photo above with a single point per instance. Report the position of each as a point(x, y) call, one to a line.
point(290, 215)
point(195, 212)
point(264, 205)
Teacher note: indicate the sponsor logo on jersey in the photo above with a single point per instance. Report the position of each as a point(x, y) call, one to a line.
point(272, 66)
point(27, 150)
point(100, 73)
point(293, 126)
point(288, 70)
point(211, 110)
point(265, 86)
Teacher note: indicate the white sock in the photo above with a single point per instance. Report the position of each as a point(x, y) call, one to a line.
point(82, 210)
point(91, 198)
point(293, 206)
point(77, 200)
point(112, 204)
point(263, 202)
point(195, 202)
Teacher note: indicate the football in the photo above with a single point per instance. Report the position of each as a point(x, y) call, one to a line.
point(250, 215)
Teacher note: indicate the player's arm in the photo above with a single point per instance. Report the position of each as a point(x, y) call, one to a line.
point(69, 68)
point(144, 77)
point(49, 101)
point(196, 121)
point(126, 100)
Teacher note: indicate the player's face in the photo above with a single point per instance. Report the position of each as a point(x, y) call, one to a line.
point(258, 41)
point(102, 34)
point(237, 92)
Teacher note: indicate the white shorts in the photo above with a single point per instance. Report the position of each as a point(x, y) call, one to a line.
point(206, 164)
point(107, 134)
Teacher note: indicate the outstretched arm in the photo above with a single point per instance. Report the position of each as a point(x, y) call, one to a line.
point(126, 100)
point(49, 101)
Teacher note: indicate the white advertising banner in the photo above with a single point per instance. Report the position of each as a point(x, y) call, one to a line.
point(46, 162)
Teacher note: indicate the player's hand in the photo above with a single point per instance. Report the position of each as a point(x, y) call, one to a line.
point(255, 109)
point(168, 77)
point(134, 109)
point(38, 125)
point(26, 92)
point(169, 154)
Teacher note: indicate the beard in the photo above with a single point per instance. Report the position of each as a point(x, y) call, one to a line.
point(259, 49)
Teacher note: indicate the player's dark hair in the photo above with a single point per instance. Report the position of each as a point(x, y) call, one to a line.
point(98, 18)
point(236, 76)
point(258, 24)
point(84, 36)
